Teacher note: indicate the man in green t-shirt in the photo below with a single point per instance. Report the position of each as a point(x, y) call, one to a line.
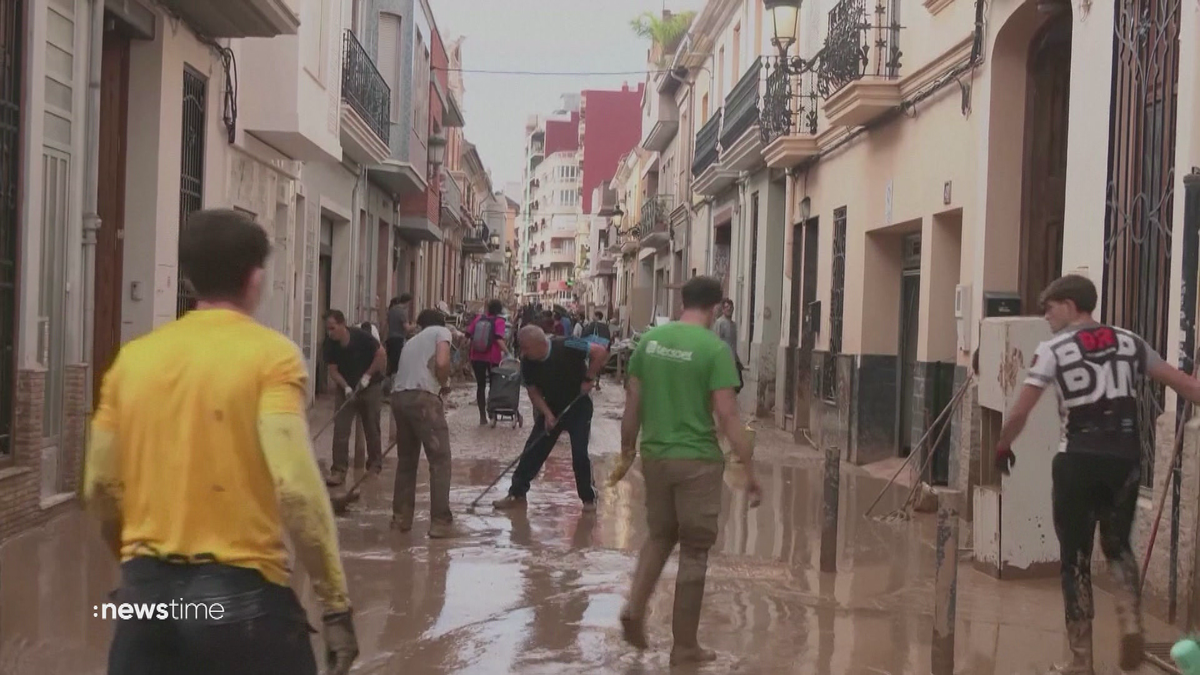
point(680, 374)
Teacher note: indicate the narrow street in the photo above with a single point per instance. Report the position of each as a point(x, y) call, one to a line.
point(539, 592)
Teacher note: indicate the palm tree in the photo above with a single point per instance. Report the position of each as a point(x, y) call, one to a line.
point(666, 31)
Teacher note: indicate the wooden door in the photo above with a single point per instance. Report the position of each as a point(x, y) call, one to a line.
point(110, 246)
point(1045, 188)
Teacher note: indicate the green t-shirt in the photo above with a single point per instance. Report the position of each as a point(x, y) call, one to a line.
point(679, 366)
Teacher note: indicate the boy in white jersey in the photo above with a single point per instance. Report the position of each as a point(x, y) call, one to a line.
point(1097, 372)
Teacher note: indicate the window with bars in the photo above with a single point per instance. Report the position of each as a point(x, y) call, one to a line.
point(829, 378)
point(191, 171)
point(11, 68)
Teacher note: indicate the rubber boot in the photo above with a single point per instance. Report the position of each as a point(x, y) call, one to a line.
point(689, 597)
point(1129, 613)
point(1079, 640)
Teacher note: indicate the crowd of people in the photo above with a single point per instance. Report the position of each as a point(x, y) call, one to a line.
point(200, 462)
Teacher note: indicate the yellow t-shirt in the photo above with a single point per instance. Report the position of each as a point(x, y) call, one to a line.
point(183, 403)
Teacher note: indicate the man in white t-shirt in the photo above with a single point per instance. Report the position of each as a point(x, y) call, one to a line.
point(422, 376)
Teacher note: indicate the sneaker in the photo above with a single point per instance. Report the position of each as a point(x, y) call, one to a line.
point(336, 478)
point(401, 523)
point(444, 530)
point(509, 502)
point(681, 655)
point(589, 507)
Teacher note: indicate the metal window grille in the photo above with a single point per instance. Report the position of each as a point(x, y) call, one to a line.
point(1141, 178)
point(12, 64)
point(191, 171)
point(829, 379)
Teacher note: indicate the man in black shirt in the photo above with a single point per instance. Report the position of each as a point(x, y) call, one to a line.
point(556, 372)
point(1098, 373)
point(356, 362)
point(598, 328)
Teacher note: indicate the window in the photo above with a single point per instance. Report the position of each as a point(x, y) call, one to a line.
point(191, 175)
point(389, 59)
point(568, 197)
point(567, 173)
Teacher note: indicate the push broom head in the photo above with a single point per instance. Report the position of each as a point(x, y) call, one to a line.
point(340, 504)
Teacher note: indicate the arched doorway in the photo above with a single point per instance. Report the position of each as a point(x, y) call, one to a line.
point(1043, 202)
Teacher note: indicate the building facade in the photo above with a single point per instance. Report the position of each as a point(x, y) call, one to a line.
point(310, 116)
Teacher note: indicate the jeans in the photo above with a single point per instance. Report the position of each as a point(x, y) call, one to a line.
point(262, 629)
point(421, 421)
point(683, 506)
point(577, 422)
point(364, 407)
point(1091, 489)
point(483, 380)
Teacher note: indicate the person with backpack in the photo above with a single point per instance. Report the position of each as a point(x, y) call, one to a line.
point(487, 350)
point(599, 328)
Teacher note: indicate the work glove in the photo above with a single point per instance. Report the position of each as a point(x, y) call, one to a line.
point(364, 382)
point(341, 645)
point(349, 391)
point(1005, 460)
point(622, 467)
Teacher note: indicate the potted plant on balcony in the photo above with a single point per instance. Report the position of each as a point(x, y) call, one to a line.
point(665, 31)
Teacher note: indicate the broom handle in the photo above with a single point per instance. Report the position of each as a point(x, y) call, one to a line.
point(1180, 424)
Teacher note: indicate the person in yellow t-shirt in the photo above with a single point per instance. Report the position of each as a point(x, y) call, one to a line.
point(199, 460)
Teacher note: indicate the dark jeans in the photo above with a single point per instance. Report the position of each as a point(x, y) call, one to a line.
point(1088, 490)
point(483, 380)
point(393, 345)
point(365, 407)
point(262, 629)
point(578, 425)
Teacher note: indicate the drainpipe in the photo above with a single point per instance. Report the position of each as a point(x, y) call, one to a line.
point(91, 189)
point(743, 187)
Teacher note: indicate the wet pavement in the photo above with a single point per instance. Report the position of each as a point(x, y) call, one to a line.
point(539, 591)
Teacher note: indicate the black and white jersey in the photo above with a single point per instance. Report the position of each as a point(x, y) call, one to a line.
point(1098, 371)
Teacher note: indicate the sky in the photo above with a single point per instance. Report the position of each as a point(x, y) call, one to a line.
point(575, 36)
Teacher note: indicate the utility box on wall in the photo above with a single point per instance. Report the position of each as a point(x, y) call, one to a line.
point(1013, 525)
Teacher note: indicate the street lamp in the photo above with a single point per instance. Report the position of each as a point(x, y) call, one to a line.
point(785, 22)
point(495, 241)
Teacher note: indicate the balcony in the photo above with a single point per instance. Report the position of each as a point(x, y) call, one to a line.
point(788, 120)
point(239, 18)
point(366, 105)
point(476, 241)
point(859, 83)
point(741, 142)
point(710, 176)
point(654, 228)
point(661, 121)
point(560, 256)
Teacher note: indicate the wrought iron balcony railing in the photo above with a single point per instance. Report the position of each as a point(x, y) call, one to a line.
point(655, 215)
point(847, 55)
point(365, 89)
point(707, 142)
point(741, 105)
point(789, 104)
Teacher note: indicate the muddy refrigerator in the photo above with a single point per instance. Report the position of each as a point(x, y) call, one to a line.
point(1012, 523)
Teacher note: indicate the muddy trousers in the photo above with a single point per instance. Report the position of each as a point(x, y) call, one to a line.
point(421, 422)
point(483, 380)
point(683, 506)
point(262, 629)
point(1091, 490)
point(366, 408)
point(578, 424)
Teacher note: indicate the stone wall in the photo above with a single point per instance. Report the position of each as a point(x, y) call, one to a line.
point(965, 440)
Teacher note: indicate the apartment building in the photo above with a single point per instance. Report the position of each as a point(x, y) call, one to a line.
point(878, 183)
point(314, 117)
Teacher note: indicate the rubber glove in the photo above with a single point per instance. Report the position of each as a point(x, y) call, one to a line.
point(341, 644)
point(1006, 459)
point(622, 468)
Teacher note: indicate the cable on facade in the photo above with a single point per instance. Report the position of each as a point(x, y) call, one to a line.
point(548, 73)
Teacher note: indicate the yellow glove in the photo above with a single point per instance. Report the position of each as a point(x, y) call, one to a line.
point(622, 468)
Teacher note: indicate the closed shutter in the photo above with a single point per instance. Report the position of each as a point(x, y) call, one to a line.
point(389, 58)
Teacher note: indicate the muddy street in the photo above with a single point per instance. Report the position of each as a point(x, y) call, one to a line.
point(539, 591)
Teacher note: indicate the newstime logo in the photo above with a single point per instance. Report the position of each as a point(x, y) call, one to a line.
point(655, 349)
point(176, 610)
